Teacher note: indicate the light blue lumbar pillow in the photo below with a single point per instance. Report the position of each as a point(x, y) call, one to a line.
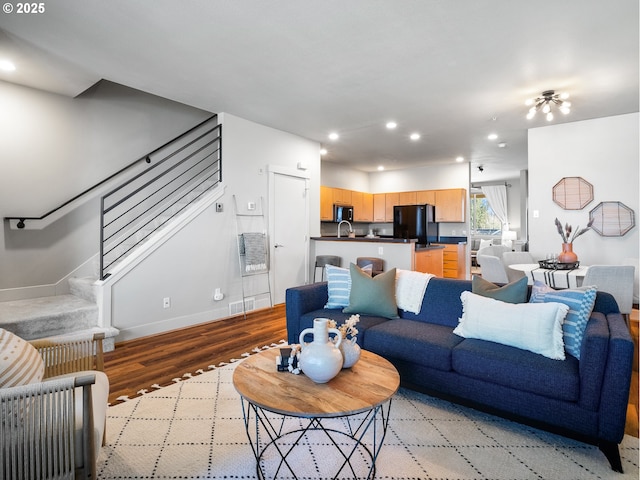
point(339, 285)
point(580, 303)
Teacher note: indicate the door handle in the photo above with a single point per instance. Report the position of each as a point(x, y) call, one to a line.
point(277, 245)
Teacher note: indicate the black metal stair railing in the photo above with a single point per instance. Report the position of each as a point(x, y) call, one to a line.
point(183, 170)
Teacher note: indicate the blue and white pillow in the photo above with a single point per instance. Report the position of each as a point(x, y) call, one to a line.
point(339, 285)
point(580, 303)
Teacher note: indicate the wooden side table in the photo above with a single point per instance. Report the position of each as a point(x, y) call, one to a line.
point(292, 422)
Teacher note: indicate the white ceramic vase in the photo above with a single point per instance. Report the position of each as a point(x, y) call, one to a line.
point(350, 352)
point(320, 360)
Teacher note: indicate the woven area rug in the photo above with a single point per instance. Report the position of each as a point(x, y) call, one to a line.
point(194, 430)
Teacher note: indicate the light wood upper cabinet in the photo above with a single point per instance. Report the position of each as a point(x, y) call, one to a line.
point(451, 205)
point(362, 206)
point(326, 203)
point(426, 196)
point(379, 207)
point(342, 196)
point(390, 200)
point(407, 198)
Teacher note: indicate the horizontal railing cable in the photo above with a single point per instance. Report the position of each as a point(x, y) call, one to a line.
point(183, 172)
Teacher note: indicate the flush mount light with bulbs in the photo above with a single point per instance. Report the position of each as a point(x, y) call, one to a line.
point(545, 102)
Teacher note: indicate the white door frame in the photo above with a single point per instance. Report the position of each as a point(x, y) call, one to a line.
point(272, 171)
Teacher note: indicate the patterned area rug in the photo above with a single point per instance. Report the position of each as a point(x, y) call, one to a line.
point(194, 430)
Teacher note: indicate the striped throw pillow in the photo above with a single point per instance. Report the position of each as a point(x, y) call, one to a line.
point(20, 362)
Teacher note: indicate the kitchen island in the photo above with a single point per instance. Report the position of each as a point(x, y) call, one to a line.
point(395, 252)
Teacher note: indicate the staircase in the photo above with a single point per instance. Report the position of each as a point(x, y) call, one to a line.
point(74, 313)
point(136, 217)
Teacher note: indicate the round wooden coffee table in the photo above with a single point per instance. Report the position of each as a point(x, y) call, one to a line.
point(298, 427)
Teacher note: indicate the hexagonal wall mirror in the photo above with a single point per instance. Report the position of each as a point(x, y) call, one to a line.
point(612, 219)
point(573, 193)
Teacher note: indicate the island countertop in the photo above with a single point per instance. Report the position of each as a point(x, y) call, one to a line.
point(402, 241)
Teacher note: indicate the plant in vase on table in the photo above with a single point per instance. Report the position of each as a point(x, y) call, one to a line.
point(567, 255)
point(349, 348)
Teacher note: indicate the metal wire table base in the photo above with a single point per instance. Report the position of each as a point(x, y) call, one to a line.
point(355, 441)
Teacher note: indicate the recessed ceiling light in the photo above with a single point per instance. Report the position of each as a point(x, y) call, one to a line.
point(334, 136)
point(414, 136)
point(459, 159)
point(7, 66)
point(391, 125)
point(380, 168)
point(492, 136)
point(502, 144)
point(323, 151)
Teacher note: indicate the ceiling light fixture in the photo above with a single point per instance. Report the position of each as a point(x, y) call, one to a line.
point(459, 159)
point(334, 136)
point(7, 66)
point(544, 102)
point(492, 136)
point(391, 125)
point(323, 151)
point(380, 168)
point(502, 144)
point(414, 136)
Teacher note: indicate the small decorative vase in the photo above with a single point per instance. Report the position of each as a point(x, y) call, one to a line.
point(350, 352)
point(567, 255)
point(320, 360)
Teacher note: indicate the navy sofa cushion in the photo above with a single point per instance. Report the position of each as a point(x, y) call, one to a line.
point(441, 303)
point(426, 344)
point(518, 369)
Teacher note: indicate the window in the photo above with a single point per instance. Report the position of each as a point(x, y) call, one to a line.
point(483, 220)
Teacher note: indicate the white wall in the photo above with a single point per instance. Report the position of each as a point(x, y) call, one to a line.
point(52, 148)
point(340, 176)
point(604, 152)
point(203, 256)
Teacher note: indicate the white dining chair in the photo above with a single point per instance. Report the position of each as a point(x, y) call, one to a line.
point(493, 270)
point(616, 280)
point(512, 258)
point(493, 250)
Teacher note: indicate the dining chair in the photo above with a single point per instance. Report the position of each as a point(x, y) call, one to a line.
point(493, 270)
point(636, 283)
point(616, 280)
point(512, 258)
point(493, 250)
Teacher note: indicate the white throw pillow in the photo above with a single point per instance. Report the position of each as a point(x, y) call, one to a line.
point(485, 243)
point(538, 330)
point(20, 362)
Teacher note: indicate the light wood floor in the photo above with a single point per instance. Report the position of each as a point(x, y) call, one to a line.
point(137, 364)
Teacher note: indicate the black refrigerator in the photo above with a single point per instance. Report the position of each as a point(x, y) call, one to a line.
point(415, 221)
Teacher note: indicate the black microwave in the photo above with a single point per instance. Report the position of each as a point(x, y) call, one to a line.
point(342, 212)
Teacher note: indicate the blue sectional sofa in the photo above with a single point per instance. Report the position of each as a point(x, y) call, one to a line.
point(584, 399)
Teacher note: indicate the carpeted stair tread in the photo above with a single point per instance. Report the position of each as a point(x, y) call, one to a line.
point(47, 316)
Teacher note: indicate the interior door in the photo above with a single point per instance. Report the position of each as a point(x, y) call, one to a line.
point(288, 219)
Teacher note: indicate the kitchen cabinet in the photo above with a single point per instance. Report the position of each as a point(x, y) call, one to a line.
point(326, 204)
point(362, 206)
point(454, 261)
point(342, 196)
point(430, 261)
point(426, 196)
point(451, 205)
point(390, 200)
point(407, 198)
point(379, 207)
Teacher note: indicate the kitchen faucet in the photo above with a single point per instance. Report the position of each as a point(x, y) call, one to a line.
point(344, 221)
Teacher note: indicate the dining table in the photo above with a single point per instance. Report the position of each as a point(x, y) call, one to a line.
point(554, 277)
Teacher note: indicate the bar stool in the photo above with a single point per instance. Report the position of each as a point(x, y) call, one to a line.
point(322, 261)
point(377, 264)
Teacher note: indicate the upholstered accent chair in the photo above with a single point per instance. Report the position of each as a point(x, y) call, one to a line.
point(52, 427)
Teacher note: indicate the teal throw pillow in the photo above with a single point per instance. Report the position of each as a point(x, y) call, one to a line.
point(580, 303)
point(372, 295)
point(514, 292)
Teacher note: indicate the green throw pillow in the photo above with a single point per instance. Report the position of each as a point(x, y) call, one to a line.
point(514, 292)
point(372, 295)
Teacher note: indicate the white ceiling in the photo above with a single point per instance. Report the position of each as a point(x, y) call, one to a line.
point(454, 71)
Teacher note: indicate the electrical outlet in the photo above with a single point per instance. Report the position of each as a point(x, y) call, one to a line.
point(380, 251)
point(166, 302)
point(218, 207)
